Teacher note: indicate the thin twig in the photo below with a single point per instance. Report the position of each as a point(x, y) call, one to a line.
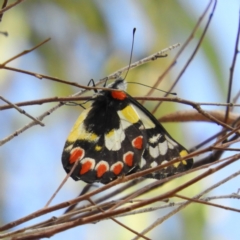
point(10, 6)
point(207, 203)
point(40, 76)
point(23, 53)
point(182, 49)
point(119, 223)
point(22, 111)
point(161, 220)
point(62, 227)
point(111, 76)
point(3, 6)
point(21, 130)
point(206, 114)
point(152, 57)
point(80, 98)
point(232, 68)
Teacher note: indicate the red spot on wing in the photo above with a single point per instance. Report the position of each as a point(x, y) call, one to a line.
point(117, 168)
point(76, 154)
point(137, 142)
point(101, 168)
point(87, 164)
point(118, 95)
point(128, 158)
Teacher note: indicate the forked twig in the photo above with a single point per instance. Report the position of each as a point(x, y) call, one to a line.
point(162, 219)
point(48, 231)
point(80, 98)
point(6, 8)
point(121, 207)
point(22, 111)
point(196, 48)
point(41, 117)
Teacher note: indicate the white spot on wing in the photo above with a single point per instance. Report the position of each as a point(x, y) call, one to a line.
point(142, 163)
point(171, 143)
point(154, 138)
point(154, 151)
point(163, 147)
point(154, 164)
point(113, 140)
point(68, 148)
point(163, 162)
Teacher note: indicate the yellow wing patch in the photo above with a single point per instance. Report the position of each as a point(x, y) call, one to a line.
point(79, 132)
point(148, 123)
point(184, 153)
point(129, 114)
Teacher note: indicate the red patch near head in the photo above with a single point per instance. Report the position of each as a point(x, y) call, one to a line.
point(86, 166)
point(128, 158)
point(76, 154)
point(101, 169)
point(137, 142)
point(117, 168)
point(118, 95)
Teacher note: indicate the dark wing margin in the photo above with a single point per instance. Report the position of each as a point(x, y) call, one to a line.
point(106, 156)
point(161, 147)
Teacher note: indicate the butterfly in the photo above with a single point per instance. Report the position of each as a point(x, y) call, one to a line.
point(118, 136)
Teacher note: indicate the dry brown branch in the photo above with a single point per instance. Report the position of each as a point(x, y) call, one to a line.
point(185, 204)
point(191, 115)
point(133, 196)
point(6, 8)
point(230, 82)
point(185, 45)
point(22, 111)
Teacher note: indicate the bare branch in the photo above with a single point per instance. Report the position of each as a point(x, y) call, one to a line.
point(10, 6)
point(236, 51)
point(23, 53)
point(22, 111)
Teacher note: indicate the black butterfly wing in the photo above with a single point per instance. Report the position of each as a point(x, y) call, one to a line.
point(105, 142)
point(161, 147)
point(118, 136)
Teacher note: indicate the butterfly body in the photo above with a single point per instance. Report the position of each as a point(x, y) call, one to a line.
point(117, 136)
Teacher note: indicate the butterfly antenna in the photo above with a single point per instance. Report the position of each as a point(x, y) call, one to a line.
point(130, 60)
point(172, 93)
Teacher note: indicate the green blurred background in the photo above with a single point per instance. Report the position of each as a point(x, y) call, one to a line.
point(90, 40)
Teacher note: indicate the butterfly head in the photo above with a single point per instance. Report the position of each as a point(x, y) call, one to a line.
point(119, 84)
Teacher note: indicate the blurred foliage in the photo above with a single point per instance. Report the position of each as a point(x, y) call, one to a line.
point(91, 39)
